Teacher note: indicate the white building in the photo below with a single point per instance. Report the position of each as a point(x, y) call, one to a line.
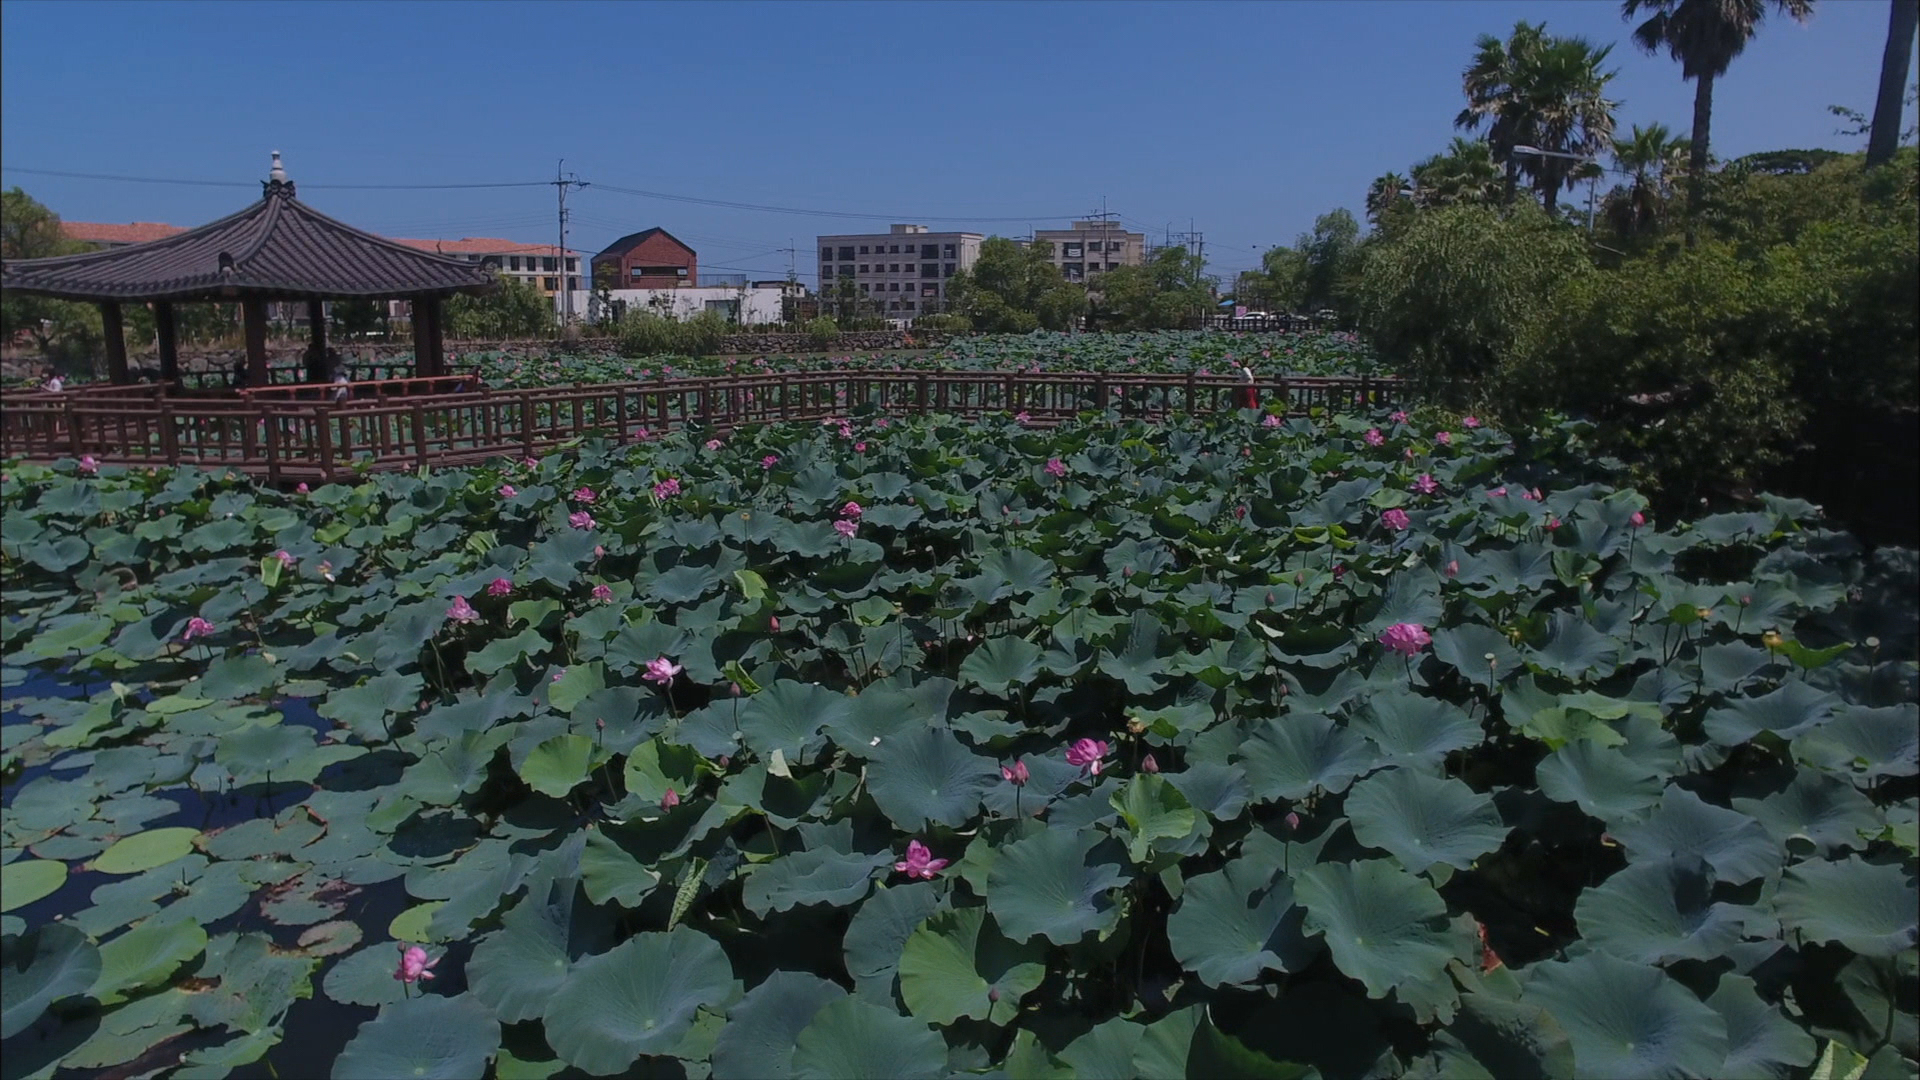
point(903, 272)
point(757, 304)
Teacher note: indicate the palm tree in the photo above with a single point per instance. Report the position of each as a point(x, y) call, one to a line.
point(1884, 136)
point(1651, 157)
point(1383, 195)
point(1466, 173)
point(1705, 36)
point(1543, 91)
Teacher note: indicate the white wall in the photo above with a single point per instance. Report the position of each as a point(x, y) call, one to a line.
point(756, 305)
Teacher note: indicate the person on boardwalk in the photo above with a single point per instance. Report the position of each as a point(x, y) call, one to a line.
point(1252, 391)
point(54, 383)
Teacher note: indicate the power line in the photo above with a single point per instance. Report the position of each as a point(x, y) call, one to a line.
point(248, 184)
point(878, 216)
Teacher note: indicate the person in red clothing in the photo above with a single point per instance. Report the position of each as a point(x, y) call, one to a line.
point(1253, 392)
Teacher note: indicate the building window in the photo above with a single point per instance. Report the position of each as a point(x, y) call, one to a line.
point(550, 284)
point(863, 268)
point(863, 249)
point(636, 272)
point(1070, 251)
point(946, 270)
point(929, 251)
point(573, 265)
point(846, 270)
point(846, 253)
point(893, 286)
point(513, 262)
point(893, 305)
point(1113, 245)
point(573, 284)
point(906, 305)
point(826, 255)
point(549, 265)
point(865, 288)
point(1113, 266)
point(947, 252)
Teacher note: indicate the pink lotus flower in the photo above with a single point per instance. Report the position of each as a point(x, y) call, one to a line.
point(919, 862)
point(584, 494)
point(302, 489)
point(286, 560)
point(1498, 493)
point(1339, 571)
point(666, 488)
point(1395, 519)
point(714, 444)
point(531, 463)
point(462, 612)
point(670, 800)
point(197, 627)
point(1406, 638)
point(1015, 774)
point(1426, 485)
point(851, 511)
point(499, 587)
point(883, 423)
point(1453, 568)
point(599, 552)
point(1470, 421)
point(1270, 421)
point(1293, 822)
point(1531, 496)
point(1148, 765)
point(1553, 523)
point(845, 528)
point(88, 465)
point(1443, 438)
point(602, 593)
point(1638, 519)
point(773, 623)
point(1087, 753)
point(507, 491)
point(558, 675)
point(769, 461)
point(1374, 438)
point(414, 965)
point(1398, 417)
point(661, 671)
point(860, 448)
point(1240, 512)
point(1055, 467)
point(1022, 417)
point(580, 519)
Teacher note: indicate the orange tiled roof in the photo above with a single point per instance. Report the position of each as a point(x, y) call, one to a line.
point(104, 232)
point(480, 245)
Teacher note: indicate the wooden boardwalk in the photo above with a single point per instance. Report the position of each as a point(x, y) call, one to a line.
point(302, 435)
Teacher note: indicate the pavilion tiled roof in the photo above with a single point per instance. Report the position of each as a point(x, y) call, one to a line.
point(277, 249)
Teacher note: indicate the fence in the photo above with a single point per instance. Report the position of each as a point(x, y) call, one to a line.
point(282, 439)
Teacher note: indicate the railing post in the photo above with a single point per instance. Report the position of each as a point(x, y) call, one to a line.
point(73, 431)
point(324, 418)
point(920, 392)
point(169, 438)
point(273, 451)
point(420, 435)
point(620, 414)
point(1190, 386)
point(1100, 391)
point(1366, 391)
point(526, 423)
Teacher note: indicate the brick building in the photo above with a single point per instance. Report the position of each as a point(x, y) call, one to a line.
point(651, 259)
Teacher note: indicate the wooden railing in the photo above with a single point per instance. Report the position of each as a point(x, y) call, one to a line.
point(285, 439)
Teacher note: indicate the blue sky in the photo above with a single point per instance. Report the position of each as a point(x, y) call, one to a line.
point(1249, 119)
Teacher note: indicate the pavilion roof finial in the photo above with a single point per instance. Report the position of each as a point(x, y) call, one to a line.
point(277, 182)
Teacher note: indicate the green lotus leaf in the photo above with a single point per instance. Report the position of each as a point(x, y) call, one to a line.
point(258, 751)
point(365, 977)
point(637, 998)
point(1628, 1019)
point(1731, 665)
point(1384, 926)
point(363, 708)
point(1790, 711)
point(957, 963)
point(515, 970)
point(1056, 883)
point(42, 966)
point(1422, 820)
point(1235, 923)
point(879, 931)
point(329, 938)
point(1761, 1041)
point(1145, 658)
point(758, 1041)
point(230, 678)
point(685, 584)
point(146, 850)
point(577, 683)
point(1871, 908)
point(1734, 844)
point(928, 776)
point(1658, 911)
point(27, 880)
point(655, 766)
point(411, 925)
point(1607, 784)
point(1466, 648)
point(1814, 812)
point(1509, 1040)
point(1870, 742)
point(852, 1036)
point(505, 652)
point(1415, 731)
point(440, 1038)
point(1290, 756)
point(1410, 597)
point(558, 765)
point(817, 876)
point(1107, 1050)
point(1575, 650)
point(1218, 1054)
point(144, 956)
point(1217, 790)
point(1002, 663)
point(788, 716)
point(1154, 811)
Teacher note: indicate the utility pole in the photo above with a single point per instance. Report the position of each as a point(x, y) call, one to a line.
point(562, 181)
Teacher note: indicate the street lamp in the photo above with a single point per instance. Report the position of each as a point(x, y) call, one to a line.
point(1593, 182)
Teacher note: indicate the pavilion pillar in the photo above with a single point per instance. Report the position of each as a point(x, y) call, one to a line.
point(317, 351)
point(422, 335)
point(254, 311)
point(116, 342)
point(438, 341)
point(169, 335)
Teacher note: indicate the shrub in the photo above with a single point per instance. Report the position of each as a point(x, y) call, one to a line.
point(944, 323)
point(823, 330)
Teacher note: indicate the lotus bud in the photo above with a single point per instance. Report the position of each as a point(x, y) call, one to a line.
point(1269, 598)
point(1746, 601)
point(600, 725)
point(1703, 612)
point(1148, 765)
point(670, 800)
point(773, 623)
point(1137, 726)
point(1293, 822)
point(993, 994)
point(733, 689)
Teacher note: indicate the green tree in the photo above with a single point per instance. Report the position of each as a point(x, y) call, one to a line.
point(67, 333)
point(514, 309)
point(1011, 288)
point(1386, 196)
point(1884, 134)
point(1705, 36)
point(1651, 157)
point(1445, 297)
point(1541, 91)
point(1465, 174)
point(354, 318)
point(1166, 293)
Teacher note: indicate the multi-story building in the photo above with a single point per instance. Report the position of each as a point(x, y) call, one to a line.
point(902, 272)
point(1091, 248)
point(538, 265)
point(649, 259)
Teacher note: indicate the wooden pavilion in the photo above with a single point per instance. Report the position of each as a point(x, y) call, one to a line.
point(278, 249)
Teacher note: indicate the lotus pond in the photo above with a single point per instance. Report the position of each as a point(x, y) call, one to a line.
point(1156, 352)
point(1332, 746)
